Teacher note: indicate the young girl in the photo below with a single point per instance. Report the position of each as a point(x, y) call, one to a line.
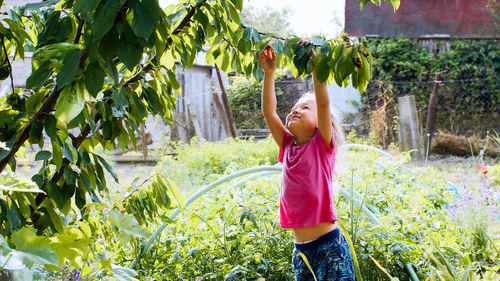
point(307, 151)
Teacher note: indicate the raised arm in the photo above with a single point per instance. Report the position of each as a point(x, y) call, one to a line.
point(267, 60)
point(323, 108)
point(322, 103)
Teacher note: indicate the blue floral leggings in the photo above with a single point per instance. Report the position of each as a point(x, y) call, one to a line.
point(329, 258)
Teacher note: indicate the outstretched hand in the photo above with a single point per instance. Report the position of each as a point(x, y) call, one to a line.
point(305, 43)
point(267, 60)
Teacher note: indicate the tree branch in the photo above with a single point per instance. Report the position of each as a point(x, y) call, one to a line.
point(47, 107)
point(138, 188)
point(184, 23)
point(79, 30)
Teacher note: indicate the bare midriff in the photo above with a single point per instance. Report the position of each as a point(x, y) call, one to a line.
point(304, 234)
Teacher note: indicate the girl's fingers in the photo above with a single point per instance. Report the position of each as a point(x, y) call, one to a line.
point(273, 56)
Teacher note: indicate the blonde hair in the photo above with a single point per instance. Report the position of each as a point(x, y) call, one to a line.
point(338, 133)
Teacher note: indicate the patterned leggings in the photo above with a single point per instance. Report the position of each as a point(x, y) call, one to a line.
point(329, 258)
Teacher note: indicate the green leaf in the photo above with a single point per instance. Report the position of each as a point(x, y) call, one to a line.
point(338, 70)
point(128, 227)
point(255, 35)
point(38, 5)
point(238, 4)
point(70, 152)
point(32, 249)
point(12, 164)
point(84, 6)
point(107, 46)
point(55, 193)
point(325, 48)
point(57, 154)
point(36, 133)
point(348, 64)
point(247, 34)
point(145, 16)
point(50, 127)
point(179, 198)
point(34, 102)
point(153, 101)
point(173, 82)
point(323, 70)
point(233, 12)
point(167, 59)
point(120, 98)
point(85, 158)
point(70, 176)
point(70, 247)
point(69, 69)
point(80, 199)
point(363, 76)
point(107, 166)
point(61, 132)
point(39, 77)
point(337, 53)
point(14, 183)
point(14, 215)
point(318, 41)
point(104, 18)
point(123, 273)
point(100, 178)
point(201, 18)
point(278, 46)
point(94, 79)
point(43, 155)
point(56, 219)
point(112, 71)
point(354, 79)
point(70, 103)
point(139, 104)
point(67, 153)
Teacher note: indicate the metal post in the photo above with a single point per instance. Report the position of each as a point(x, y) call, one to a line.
point(431, 114)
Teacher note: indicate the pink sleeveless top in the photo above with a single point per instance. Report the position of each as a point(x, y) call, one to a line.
point(306, 197)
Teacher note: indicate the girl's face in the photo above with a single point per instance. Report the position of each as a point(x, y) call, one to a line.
point(303, 118)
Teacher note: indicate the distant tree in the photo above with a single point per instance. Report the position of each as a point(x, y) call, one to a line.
point(267, 20)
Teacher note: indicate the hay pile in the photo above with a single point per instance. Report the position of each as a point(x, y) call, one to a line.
point(446, 143)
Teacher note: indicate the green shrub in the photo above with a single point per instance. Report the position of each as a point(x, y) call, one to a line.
point(244, 99)
point(198, 164)
point(227, 235)
point(468, 99)
point(235, 234)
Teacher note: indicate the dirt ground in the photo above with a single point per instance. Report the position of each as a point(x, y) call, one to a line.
point(456, 168)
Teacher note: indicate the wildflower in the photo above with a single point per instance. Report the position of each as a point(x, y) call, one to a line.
point(481, 152)
point(482, 168)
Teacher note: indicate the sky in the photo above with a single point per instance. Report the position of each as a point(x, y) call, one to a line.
point(307, 17)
